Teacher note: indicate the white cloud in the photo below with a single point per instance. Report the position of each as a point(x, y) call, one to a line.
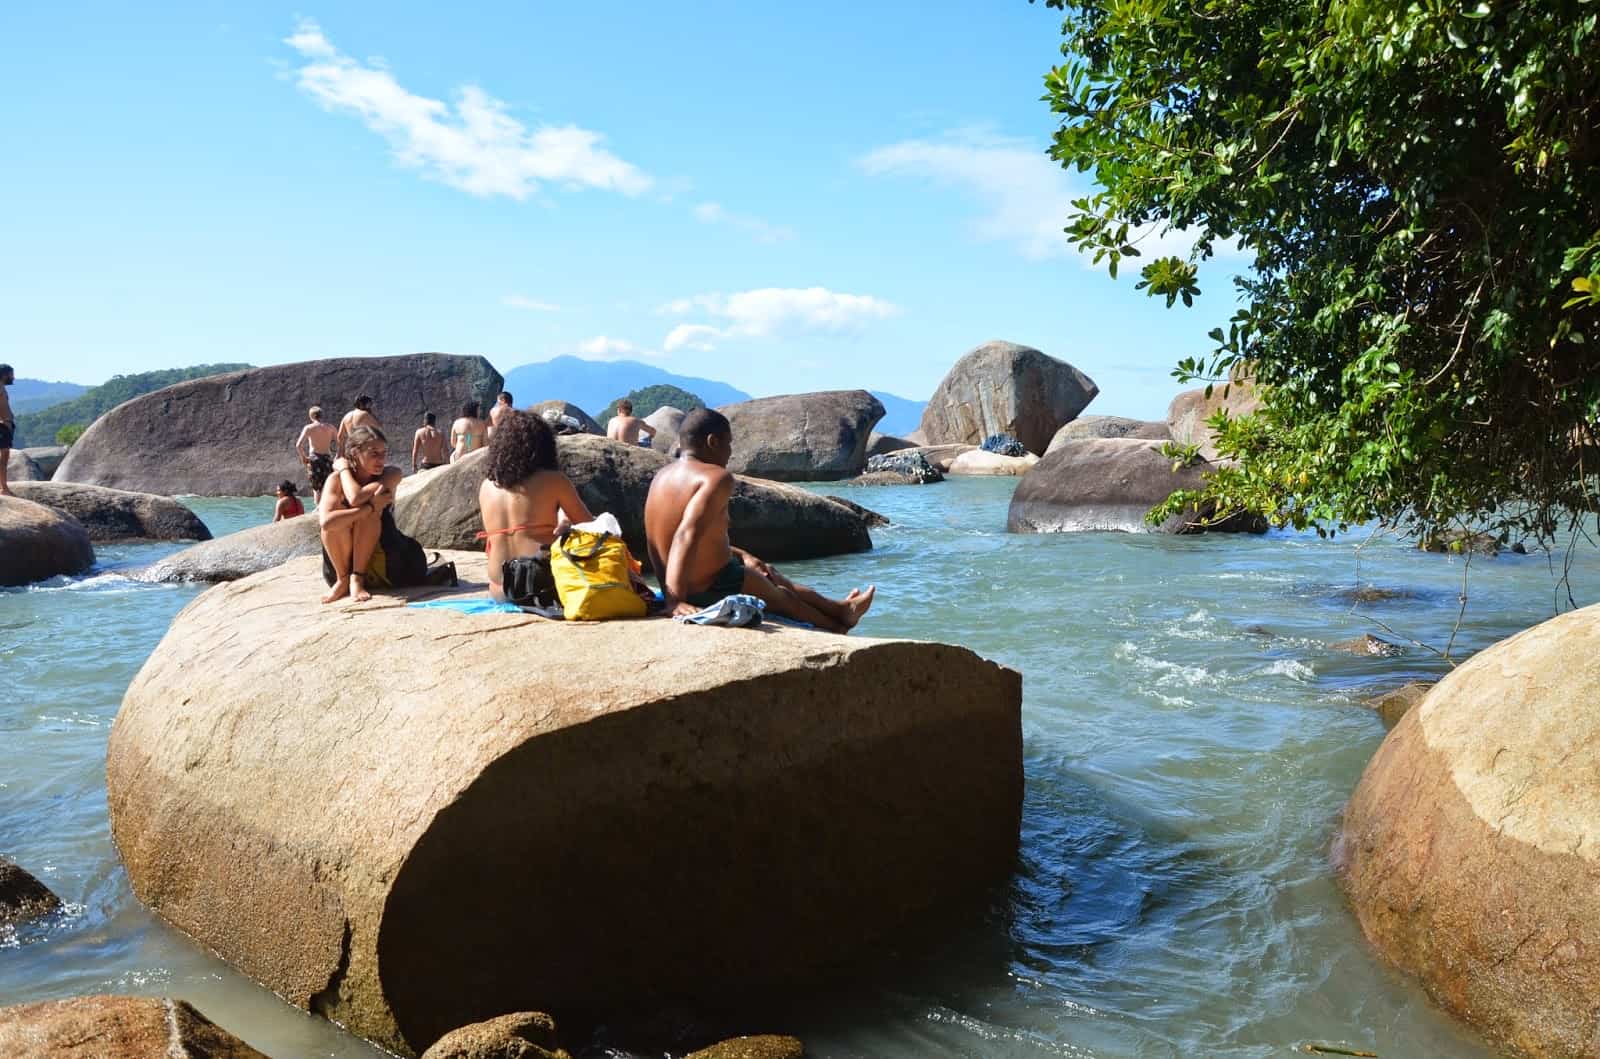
point(518, 301)
point(478, 147)
point(772, 312)
point(602, 347)
point(755, 227)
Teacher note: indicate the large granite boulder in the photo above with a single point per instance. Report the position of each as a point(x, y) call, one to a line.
point(803, 437)
point(883, 444)
point(21, 895)
point(1110, 484)
point(48, 457)
point(775, 521)
point(476, 814)
point(1187, 415)
point(38, 542)
point(20, 467)
point(979, 462)
point(240, 554)
point(1106, 427)
point(1470, 850)
point(233, 434)
point(1004, 388)
point(116, 1027)
point(118, 515)
point(586, 423)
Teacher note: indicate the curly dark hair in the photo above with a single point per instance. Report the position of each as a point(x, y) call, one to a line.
point(470, 410)
point(520, 446)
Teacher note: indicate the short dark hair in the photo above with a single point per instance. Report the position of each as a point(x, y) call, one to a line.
point(505, 395)
point(284, 486)
point(6, 369)
point(364, 403)
point(625, 405)
point(520, 446)
point(427, 419)
point(700, 424)
point(471, 410)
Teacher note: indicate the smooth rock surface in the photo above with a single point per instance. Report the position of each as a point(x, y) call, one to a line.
point(882, 444)
point(1394, 704)
point(1188, 412)
point(979, 462)
point(1471, 847)
point(1106, 427)
point(803, 437)
point(567, 408)
point(475, 814)
point(774, 521)
point(240, 554)
point(38, 542)
point(116, 514)
point(20, 467)
point(665, 421)
point(1004, 388)
point(22, 896)
point(116, 1027)
point(48, 457)
point(233, 434)
point(524, 1035)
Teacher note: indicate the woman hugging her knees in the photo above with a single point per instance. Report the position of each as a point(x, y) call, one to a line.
point(525, 498)
point(351, 512)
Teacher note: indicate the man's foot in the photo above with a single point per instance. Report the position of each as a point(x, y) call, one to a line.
point(856, 604)
point(340, 589)
point(358, 591)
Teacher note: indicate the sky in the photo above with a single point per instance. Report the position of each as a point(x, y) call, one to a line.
point(783, 197)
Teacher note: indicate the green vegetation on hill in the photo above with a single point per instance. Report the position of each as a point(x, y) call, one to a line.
point(42, 428)
point(1416, 188)
point(649, 398)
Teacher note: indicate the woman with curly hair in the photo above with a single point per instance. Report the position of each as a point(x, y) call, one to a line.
point(525, 499)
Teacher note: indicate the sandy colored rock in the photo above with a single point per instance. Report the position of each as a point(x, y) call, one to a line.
point(524, 1035)
point(1004, 388)
point(38, 542)
point(1188, 412)
point(232, 434)
point(1368, 644)
point(474, 814)
point(116, 514)
point(22, 896)
point(1106, 427)
point(566, 408)
point(1393, 704)
point(116, 1027)
point(1470, 850)
point(775, 521)
point(803, 437)
point(240, 554)
point(20, 467)
point(765, 1046)
point(978, 462)
point(48, 457)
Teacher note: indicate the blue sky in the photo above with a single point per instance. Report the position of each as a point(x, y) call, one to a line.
point(785, 197)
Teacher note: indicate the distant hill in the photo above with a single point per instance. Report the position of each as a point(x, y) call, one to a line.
point(593, 384)
point(900, 415)
point(32, 395)
point(39, 428)
point(650, 398)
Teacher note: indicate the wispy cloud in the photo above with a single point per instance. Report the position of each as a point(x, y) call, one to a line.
point(758, 229)
point(533, 305)
point(771, 312)
point(603, 347)
point(475, 146)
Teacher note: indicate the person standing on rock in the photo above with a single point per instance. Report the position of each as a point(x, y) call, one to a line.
point(627, 427)
point(351, 514)
point(427, 446)
point(468, 432)
point(502, 406)
point(359, 416)
point(8, 426)
point(314, 446)
point(686, 528)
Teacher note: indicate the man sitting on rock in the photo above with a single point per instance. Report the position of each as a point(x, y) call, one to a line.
point(352, 512)
point(626, 427)
point(686, 528)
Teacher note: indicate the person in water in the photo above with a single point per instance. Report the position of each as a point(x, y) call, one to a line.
point(8, 426)
point(351, 512)
point(525, 499)
point(686, 528)
point(315, 447)
point(427, 446)
point(289, 505)
point(502, 405)
point(468, 432)
point(626, 427)
point(359, 416)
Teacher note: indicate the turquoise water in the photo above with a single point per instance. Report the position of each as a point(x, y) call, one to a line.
point(1191, 737)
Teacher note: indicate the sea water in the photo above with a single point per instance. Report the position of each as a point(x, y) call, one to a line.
point(1191, 734)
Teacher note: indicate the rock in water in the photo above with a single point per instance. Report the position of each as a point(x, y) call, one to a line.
point(1109, 484)
point(1004, 388)
point(567, 410)
point(1107, 427)
point(766, 1046)
point(524, 1035)
point(940, 456)
point(22, 896)
point(116, 1027)
point(1187, 415)
point(240, 554)
point(803, 437)
point(20, 467)
point(475, 814)
point(981, 462)
point(911, 464)
point(774, 521)
point(38, 542)
point(1395, 703)
point(231, 434)
point(118, 515)
point(1471, 847)
point(1459, 541)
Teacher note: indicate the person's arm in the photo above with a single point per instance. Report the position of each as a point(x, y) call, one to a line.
point(573, 509)
point(300, 446)
point(646, 429)
point(687, 538)
point(416, 447)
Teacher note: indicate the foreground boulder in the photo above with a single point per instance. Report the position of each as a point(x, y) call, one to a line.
point(1004, 388)
point(240, 554)
point(803, 437)
point(1110, 484)
point(475, 814)
point(22, 896)
point(586, 423)
point(1471, 847)
point(232, 434)
point(116, 1027)
point(1085, 427)
point(524, 1035)
point(118, 515)
point(774, 521)
point(48, 457)
point(980, 462)
point(38, 542)
point(1189, 411)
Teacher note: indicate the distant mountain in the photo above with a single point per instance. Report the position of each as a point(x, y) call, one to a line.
point(39, 428)
point(33, 395)
point(594, 384)
point(901, 416)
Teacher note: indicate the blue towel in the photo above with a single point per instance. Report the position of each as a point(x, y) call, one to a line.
point(470, 606)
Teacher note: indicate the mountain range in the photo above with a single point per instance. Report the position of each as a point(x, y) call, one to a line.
point(31, 395)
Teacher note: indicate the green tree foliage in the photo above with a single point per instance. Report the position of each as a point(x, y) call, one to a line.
point(34, 428)
point(70, 433)
point(650, 398)
point(1417, 188)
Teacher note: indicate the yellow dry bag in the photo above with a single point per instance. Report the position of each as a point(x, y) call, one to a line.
point(591, 572)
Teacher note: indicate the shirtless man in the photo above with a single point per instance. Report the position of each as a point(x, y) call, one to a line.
point(359, 416)
point(350, 512)
point(427, 446)
point(502, 405)
point(8, 426)
point(314, 446)
point(626, 427)
point(686, 528)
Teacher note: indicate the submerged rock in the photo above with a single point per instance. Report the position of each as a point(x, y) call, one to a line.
point(803, 437)
point(22, 896)
point(118, 515)
point(240, 554)
point(475, 814)
point(1004, 388)
point(116, 1027)
point(38, 542)
point(1368, 644)
point(524, 1035)
point(1393, 704)
point(1470, 850)
point(1458, 542)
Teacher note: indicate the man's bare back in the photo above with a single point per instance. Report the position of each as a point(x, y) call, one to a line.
point(316, 439)
point(627, 428)
point(356, 417)
point(427, 448)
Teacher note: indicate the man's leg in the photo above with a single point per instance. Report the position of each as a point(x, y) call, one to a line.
point(846, 612)
point(786, 603)
point(5, 486)
point(364, 542)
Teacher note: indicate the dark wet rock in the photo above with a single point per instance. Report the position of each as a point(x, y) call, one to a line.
point(803, 437)
point(1459, 542)
point(1368, 644)
point(1188, 414)
point(1392, 705)
point(241, 554)
point(880, 444)
point(1004, 388)
point(116, 514)
point(871, 517)
point(1372, 594)
point(39, 542)
point(766, 1046)
point(1519, 548)
point(911, 465)
point(116, 1027)
point(558, 413)
point(22, 896)
point(48, 457)
point(524, 1035)
point(1003, 445)
point(1107, 427)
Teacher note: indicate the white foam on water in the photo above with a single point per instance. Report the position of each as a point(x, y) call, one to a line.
point(1291, 668)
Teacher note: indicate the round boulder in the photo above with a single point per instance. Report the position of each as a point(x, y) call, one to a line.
point(1470, 850)
point(38, 542)
point(116, 1027)
point(118, 515)
point(803, 437)
point(1004, 388)
point(240, 554)
point(473, 814)
point(980, 462)
point(1106, 427)
point(558, 409)
point(1189, 411)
